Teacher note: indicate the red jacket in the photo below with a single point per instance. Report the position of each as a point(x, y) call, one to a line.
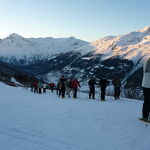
point(75, 84)
point(51, 84)
point(35, 84)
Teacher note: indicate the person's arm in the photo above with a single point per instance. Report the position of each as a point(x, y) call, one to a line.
point(79, 84)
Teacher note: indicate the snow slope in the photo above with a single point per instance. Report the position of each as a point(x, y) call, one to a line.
point(45, 122)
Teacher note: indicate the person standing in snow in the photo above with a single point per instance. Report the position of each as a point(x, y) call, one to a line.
point(44, 87)
point(35, 85)
point(58, 86)
point(117, 84)
point(74, 85)
point(52, 85)
point(32, 86)
point(92, 84)
point(68, 87)
point(40, 86)
point(146, 91)
point(103, 83)
point(62, 86)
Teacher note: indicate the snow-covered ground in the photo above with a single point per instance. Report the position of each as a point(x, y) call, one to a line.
point(31, 121)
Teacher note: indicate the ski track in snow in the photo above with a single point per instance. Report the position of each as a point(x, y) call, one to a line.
point(33, 137)
point(45, 122)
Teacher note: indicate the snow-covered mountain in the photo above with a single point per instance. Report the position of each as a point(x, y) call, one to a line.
point(16, 47)
point(132, 46)
point(47, 57)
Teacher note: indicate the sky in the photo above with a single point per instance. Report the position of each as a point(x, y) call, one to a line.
point(88, 20)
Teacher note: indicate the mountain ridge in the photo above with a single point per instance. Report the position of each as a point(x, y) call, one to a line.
point(51, 57)
point(16, 45)
point(122, 45)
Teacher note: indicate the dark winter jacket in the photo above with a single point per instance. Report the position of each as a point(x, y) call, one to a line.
point(62, 83)
point(103, 82)
point(59, 85)
point(92, 83)
point(116, 82)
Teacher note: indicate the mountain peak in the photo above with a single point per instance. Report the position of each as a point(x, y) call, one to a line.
point(72, 37)
point(146, 28)
point(14, 35)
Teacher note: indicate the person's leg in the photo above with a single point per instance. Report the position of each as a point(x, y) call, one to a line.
point(34, 90)
point(39, 90)
point(90, 93)
point(118, 92)
point(93, 92)
point(75, 92)
point(57, 90)
point(146, 104)
point(51, 89)
point(102, 93)
point(69, 91)
point(115, 93)
point(63, 92)
point(60, 92)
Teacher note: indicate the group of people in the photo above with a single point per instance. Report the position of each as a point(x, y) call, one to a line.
point(103, 84)
point(66, 86)
point(40, 87)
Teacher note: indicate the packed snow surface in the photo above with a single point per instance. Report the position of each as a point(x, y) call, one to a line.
point(45, 122)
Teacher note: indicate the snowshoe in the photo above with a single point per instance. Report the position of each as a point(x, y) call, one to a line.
point(145, 120)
